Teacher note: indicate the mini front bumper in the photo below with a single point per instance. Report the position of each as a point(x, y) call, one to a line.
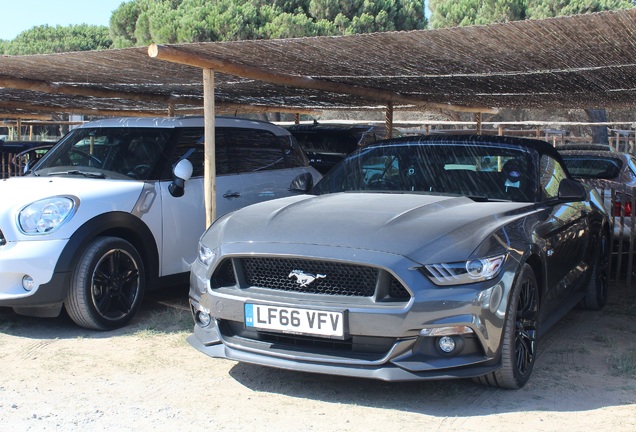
point(36, 259)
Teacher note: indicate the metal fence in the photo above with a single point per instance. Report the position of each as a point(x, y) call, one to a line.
point(7, 166)
point(621, 205)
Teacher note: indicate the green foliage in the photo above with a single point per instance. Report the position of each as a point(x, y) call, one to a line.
point(122, 25)
point(141, 22)
point(452, 13)
point(47, 39)
point(551, 8)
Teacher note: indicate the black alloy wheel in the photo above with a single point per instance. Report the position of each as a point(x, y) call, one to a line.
point(107, 285)
point(596, 291)
point(526, 326)
point(519, 338)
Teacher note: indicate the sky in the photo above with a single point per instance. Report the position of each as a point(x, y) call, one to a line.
point(20, 15)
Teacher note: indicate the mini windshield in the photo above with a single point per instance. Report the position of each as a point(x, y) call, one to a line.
point(122, 153)
point(477, 170)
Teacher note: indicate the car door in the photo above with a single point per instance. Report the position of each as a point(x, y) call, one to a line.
point(184, 217)
point(565, 233)
point(265, 163)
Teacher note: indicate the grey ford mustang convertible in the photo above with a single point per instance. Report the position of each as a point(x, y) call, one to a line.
point(415, 258)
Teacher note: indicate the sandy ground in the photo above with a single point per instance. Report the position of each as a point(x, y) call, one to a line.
point(56, 376)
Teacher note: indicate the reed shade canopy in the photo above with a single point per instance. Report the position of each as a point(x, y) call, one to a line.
point(582, 61)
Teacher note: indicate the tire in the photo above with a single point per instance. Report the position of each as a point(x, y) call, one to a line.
point(519, 342)
point(596, 290)
point(107, 285)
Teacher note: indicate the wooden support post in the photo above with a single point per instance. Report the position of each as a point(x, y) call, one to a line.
point(478, 122)
point(19, 129)
point(171, 109)
point(388, 120)
point(427, 128)
point(297, 118)
point(500, 130)
point(209, 176)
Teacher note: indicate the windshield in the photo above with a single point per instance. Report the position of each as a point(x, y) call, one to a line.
point(477, 170)
point(595, 167)
point(121, 153)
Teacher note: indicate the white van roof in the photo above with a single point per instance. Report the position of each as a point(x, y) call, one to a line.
point(177, 122)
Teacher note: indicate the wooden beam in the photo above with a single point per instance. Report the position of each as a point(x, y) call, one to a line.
point(13, 115)
point(176, 55)
point(40, 123)
point(76, 110)
point(46, 87)
point(241, 108)
point(221, 108)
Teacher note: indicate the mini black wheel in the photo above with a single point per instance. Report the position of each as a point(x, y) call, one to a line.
point(107, 285)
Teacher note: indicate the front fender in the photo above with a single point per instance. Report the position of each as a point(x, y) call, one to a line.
point(117, 224)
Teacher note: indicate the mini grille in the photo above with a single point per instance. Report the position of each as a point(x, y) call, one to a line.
point(330, 278)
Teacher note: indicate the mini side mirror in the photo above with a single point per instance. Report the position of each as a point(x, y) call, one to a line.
point(181, 173)
point(303, 183)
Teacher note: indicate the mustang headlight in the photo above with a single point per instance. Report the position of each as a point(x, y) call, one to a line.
point(46, 215)
point(465, 272)
point(206, 255)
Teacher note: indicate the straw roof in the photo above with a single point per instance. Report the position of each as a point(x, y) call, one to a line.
point(581, 61)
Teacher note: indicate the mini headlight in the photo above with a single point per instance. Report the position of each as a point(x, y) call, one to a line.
point(459, 273)
point(206, 255)
point(45, 216)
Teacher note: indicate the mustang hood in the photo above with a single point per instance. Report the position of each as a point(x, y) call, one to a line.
point(402, 224)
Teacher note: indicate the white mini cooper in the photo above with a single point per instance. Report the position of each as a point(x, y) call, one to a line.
point(117, 207)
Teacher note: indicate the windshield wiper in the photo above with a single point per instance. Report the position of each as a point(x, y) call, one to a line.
point(88, 174)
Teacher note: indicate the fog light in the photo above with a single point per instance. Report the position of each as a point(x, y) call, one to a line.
point(203, 318)
point(446, 344)
point(28, 283)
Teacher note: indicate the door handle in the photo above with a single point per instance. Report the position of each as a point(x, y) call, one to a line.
point(231, 195)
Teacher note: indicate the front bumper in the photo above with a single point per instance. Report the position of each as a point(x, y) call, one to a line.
point(388, 341)
point(36, 259)
point(385, 372)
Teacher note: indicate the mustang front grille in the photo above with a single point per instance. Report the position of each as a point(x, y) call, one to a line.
point(309, 276)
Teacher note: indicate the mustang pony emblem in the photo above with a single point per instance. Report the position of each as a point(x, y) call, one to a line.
point(304, 279)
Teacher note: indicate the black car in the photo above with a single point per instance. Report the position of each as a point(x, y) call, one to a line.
point(16, 156)
point(416, 258)
point(327, 144)
point(607, 171)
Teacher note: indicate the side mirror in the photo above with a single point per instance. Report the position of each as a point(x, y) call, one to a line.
point(571, 190)
point(303, 183)
point(181, 173)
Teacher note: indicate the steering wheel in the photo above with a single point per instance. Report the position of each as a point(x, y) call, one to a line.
point(140, 171)
point(383, 183)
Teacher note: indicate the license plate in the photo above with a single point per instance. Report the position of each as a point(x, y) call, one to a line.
point(294, 320)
